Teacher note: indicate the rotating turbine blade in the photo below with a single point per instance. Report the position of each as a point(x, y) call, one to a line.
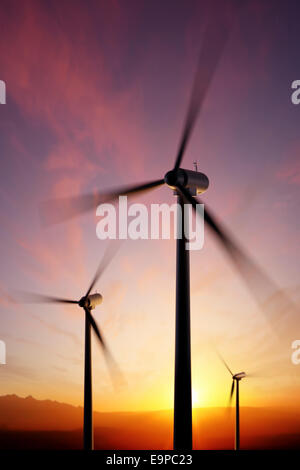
point(258, 282)
point(231, 392)
point(107, 257)
point(96, 329)
point(33, 298)
point(225, 364)
point(214, 40)
point(55, 211)
point(113, 368)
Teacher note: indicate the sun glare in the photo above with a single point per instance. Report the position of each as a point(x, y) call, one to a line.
point(195, 397)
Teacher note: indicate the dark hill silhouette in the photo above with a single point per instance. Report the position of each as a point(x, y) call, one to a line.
point(27, 423)
point(31, 414)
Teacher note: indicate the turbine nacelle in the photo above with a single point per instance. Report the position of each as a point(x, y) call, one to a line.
point(197, 182)
point(91, 301)
point(239, 376)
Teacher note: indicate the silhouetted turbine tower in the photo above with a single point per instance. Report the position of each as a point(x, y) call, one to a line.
point(88, 303)
point(236, 378)
point(186, 184)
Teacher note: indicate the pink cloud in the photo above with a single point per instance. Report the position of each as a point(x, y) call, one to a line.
point(66, 85)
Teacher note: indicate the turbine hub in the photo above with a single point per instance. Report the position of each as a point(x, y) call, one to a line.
point(175, 177)
point(195, 181)
point(239, 376)
point(83, 302)
point(91, 301)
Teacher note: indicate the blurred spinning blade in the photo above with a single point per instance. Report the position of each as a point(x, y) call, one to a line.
point(231, 393)
point(30, 297)
point(213, 45)
point(55, 211)
point(261, 286)
point(113, 368)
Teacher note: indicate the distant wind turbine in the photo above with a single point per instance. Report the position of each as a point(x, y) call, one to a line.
point(88, 303)
point(235, 384)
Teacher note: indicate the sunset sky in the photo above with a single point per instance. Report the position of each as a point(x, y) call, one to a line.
point(96, 97)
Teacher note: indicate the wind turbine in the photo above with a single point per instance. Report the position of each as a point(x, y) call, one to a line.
point(185, 184)
point(87, 302)
point(236, 378)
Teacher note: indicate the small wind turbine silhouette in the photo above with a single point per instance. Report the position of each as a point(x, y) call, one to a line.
point(88, 303)
point(235, 384)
